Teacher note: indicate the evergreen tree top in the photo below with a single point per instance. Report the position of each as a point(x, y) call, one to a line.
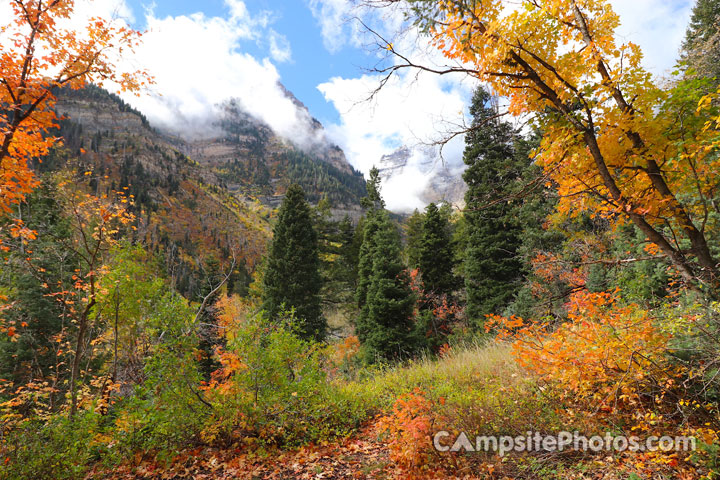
point(373, 200)
point(703, 22)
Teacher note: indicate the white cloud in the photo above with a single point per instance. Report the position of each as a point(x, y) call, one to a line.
point(410, 110)
point(280, 49)
point(198, 63)
point(340, 22)
point(334, 18)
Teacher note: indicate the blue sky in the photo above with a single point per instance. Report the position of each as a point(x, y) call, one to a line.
point(311, 62)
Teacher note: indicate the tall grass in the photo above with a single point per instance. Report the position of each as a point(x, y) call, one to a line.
point(478, 388)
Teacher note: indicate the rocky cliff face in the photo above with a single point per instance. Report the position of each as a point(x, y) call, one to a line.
point(98, 113)
point(394, 163)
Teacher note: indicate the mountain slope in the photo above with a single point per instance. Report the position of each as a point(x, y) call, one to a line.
point(183, 210)
point(251, 159)
point(199, 200)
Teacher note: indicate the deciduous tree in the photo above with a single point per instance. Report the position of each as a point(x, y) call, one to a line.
point(606, 141)
point(38, 55)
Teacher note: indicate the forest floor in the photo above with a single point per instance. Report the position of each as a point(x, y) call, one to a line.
point(363, 456)
point(483, 379)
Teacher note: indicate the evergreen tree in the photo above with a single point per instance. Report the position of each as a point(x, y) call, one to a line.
point(339, 258)
point(493, 269)
point(373, 203)
point(701, 48)
point(384, 296)
point(436, 255)
point(703, 23)
point(349, 251)
point(414, 235)
point(209, 333)
point(292, 278)
point(386, 324)
point(39, 317)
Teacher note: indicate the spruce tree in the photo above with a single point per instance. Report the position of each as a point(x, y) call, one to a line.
point(384, 296)
point(32, 355)
point(349, 251)
point(436, 255)
point(373, 204)
point(386, 326)
point(701, 47)
point(493, 269)
point(292, 278)
point(703, 23)
point(414, 235)
point(365, 270)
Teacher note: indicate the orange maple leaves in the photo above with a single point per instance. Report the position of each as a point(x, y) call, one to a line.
point(38, 55)
point(600, 356)
point(409, 429)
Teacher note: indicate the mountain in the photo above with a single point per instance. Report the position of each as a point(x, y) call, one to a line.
point(197, 200)
point(444, 182)
point(251, 159)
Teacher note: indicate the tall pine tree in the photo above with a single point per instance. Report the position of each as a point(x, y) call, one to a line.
point(703, 23)
point(701, 47)
point(493, 269)
point(292, 277)
point(384, 296)
point(373, 204)
point(386, 324)
point(413, 234)
point(436, 255)
point(349, 251)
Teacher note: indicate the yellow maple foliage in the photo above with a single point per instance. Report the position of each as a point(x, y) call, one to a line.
point(606, 141)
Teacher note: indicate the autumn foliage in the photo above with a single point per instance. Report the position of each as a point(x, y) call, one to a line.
point(613, 142)
point(40, 53)
point(409, 429)
point(129, 378)
point(600, 355)
point(609, 367)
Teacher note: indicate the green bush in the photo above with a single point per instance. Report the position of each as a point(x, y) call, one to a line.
point(61, 448)
point(166, 411)
point(278, 389)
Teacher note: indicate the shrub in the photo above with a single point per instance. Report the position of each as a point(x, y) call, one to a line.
point(166, 411)
point(273, 385)
point(613, 369)
point(409, 428)
point(600, 356)
point(59, 448)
